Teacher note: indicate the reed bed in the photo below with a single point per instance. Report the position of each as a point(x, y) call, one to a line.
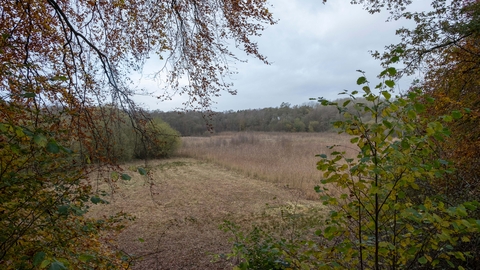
point(286, 159)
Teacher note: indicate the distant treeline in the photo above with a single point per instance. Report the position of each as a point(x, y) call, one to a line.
point(312, 117)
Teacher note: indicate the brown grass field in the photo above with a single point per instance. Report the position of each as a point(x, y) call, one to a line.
point(282, 158)
point(242, 177)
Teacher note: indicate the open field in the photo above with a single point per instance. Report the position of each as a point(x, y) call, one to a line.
point(283, 158)
point(245, 178)
point(179, 208)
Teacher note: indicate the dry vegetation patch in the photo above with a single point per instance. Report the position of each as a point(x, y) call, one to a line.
point(179, 209)
point(282, 158)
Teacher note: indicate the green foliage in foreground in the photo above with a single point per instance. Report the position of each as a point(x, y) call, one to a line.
point(381, 219)
point(43, 201)
point(279, 240)
point(45, 191)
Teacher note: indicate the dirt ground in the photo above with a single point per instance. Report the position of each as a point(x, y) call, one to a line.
point(179, 209)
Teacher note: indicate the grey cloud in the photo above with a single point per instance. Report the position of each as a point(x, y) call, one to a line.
point(315, 50)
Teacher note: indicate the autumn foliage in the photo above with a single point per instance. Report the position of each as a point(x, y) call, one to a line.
point(453, 82)
point(64, 89)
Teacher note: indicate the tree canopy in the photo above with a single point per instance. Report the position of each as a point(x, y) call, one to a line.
point(88, 48)
point(64, 87)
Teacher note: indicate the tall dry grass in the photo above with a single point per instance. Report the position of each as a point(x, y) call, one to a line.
point(284, 158)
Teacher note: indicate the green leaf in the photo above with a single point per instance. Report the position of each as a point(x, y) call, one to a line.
point(422, 260)
point(28, 132)
point(387, 95)
point(44, 263)
point(448, 118)
point(142, 171)
point(57, 266)
point(40, 140)
point(443, 162)
point(461, 211)
point(374, 190)
point(419, 107)
point(60, 78)
point(390, 83)
point(141, 240)
point(66, 150)
point(28, 95)
point(63, 209)
point(411, 114)
point(394, 59)
point(95, 199)
point(85, 258)
point(405, 144)
point(126, 176)
point(52, 147)
point(470, 206)
point(15, 148)
point(456, 114)
point(38, 258)
point(459, 255)
point(114, 175)
point(361, 80)
point(366, 89)
point(19, 132)
point(399, 50)
point(387, 124)
point(330, 231)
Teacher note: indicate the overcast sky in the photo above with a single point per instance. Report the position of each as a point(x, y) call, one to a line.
point(315, 50)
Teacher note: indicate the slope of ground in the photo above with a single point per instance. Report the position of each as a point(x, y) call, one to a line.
point(179, 209)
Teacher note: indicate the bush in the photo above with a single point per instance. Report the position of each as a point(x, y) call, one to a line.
point(120, 138)
point(158, 141)
point(280, 240)
point(43, 200)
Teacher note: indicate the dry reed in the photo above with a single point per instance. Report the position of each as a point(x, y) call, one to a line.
point(284, 158)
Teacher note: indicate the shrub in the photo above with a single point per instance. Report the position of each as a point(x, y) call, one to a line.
point(383, 219)
point(280, 240)
point(158, 141)
point(43, 199)
point(118, 138)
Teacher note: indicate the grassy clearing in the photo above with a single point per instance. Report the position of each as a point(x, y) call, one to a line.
point(283, 158)
point(180, 207)
point(250, 179)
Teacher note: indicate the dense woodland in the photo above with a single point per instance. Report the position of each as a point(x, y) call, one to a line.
point(286, 118)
